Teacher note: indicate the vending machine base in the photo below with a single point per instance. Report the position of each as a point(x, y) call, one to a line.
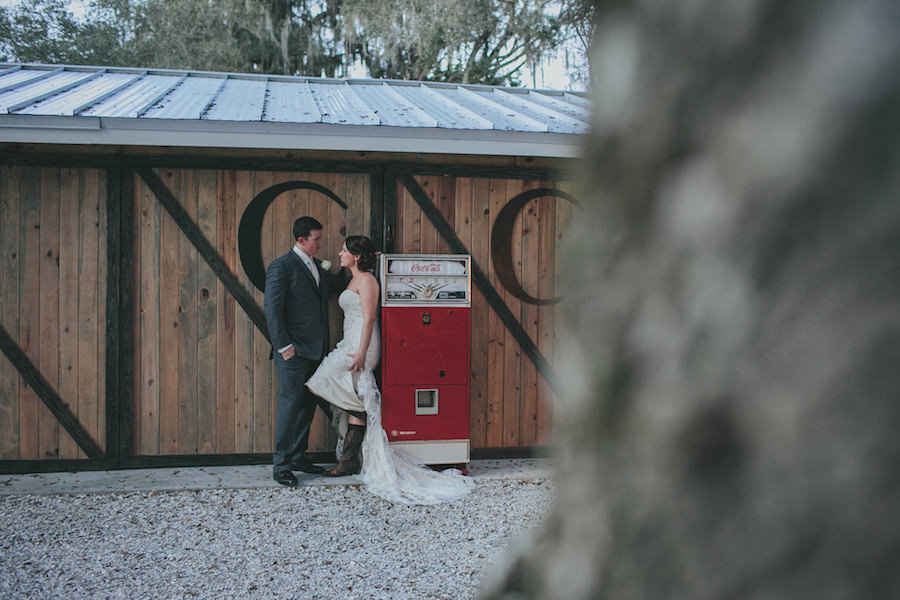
point(436, 452)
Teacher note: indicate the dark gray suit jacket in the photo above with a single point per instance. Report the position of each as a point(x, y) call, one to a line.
point(296, 308)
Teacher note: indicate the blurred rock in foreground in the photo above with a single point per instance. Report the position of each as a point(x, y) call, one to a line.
point(733, 427)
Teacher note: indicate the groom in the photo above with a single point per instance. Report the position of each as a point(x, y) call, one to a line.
point(296, 308)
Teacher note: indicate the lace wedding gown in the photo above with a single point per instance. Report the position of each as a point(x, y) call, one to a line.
point(387, 473)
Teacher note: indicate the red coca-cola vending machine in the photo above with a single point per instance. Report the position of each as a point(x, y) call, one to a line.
point(425, 359)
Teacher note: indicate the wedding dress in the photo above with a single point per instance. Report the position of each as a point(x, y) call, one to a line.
point(386, 472)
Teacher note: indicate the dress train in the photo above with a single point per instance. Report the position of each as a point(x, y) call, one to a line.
point(387, 473)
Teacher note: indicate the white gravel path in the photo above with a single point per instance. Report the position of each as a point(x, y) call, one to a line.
point(309, 542)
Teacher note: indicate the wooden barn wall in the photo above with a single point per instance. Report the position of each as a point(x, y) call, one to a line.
point(204, 382)
point(196, 378)
point(53, 278)
point(510, 401)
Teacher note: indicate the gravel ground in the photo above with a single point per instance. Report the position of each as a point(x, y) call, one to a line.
point(306, 542)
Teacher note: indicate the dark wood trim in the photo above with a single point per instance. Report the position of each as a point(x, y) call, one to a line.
point(196, 460)
point(253, 163)
point(126, 312)
point(56, 465)
point(48, 395)
point(507, 453)
point(113, 322)
point(376, 203)
point(529, 348)
point(183, 161)
point(220, 460)
point(58, 159)
point(324, 458)
point(389, 186)
point(538, 173)
point(193, 233)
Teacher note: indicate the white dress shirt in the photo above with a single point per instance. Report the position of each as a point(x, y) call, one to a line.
point(308, 261)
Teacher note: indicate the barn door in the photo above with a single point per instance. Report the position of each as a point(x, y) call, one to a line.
point(54, 316)
point(204, 384)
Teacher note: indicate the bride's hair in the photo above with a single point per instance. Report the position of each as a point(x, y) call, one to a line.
point(361, 246)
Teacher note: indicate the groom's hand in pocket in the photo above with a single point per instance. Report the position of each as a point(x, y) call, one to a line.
point(288, 353)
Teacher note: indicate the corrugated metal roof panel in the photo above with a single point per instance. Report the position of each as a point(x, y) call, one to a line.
point(35, 91)
point(76, 99)
point(228, 110)
point(393, 109)
point(502, 117)
point(291, 102)
point(129, 101)
point(581, 100)
point(340, 105)
point(556, 121)
point(17, 77)
point(449, 115)
point(560, 103)
point(239, 100)
point(188, 100)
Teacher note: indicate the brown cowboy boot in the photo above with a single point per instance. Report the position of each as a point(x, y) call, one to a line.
point(351, 455)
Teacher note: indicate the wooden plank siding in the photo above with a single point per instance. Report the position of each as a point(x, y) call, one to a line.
point(226, 315)
point(207, 384)
point(53, 277)
point(69, 241)
point(207, 367)
point(556, 328)
point(510, 401)
point(201, 381)
point(528, 268)
point(10, 263)
point(496, 334)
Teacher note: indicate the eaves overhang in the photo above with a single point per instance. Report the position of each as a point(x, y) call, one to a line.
point(113, 106)
point(191, 133)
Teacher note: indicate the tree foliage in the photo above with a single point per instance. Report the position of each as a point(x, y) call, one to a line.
point(453, 40)
point(578, 18)
point(290, 37)
point(471, 41)
point(45, 32)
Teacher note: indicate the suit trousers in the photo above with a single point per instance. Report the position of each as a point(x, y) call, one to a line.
point(295, 411)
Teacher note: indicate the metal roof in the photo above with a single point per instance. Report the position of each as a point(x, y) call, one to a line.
point(121, 106)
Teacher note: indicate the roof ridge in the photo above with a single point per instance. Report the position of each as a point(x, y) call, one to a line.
point(275, 77)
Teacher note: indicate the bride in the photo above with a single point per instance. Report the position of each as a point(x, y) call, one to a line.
point(345, 379)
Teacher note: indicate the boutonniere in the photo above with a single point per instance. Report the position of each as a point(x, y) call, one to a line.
point(326, 265)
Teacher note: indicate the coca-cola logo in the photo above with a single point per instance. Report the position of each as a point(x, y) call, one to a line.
point(425, 268)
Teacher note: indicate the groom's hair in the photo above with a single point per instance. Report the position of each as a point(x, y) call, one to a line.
point(304, 225)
